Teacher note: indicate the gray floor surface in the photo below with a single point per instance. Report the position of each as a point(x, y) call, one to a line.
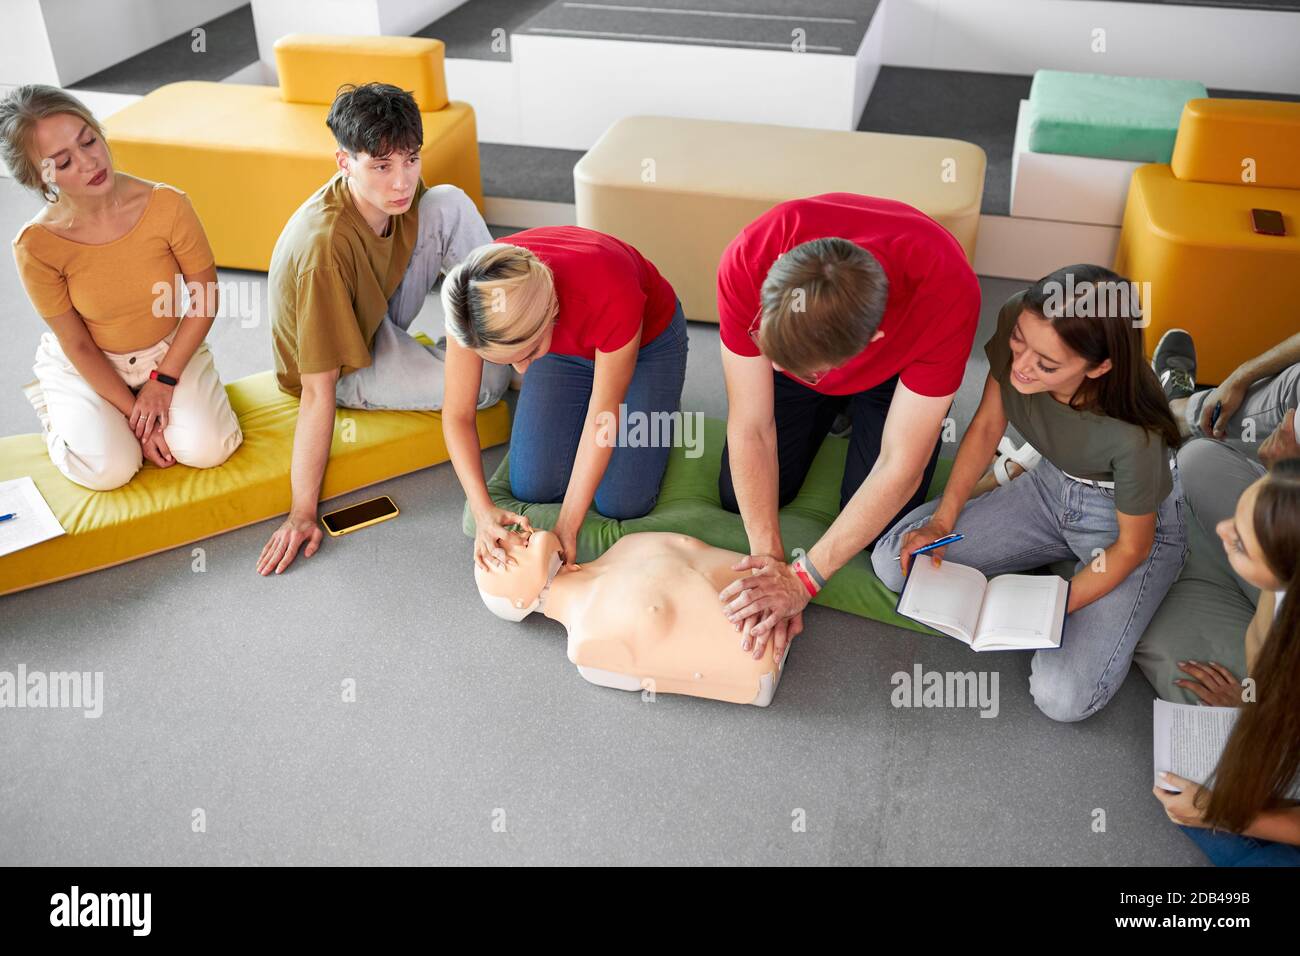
point(223, 693)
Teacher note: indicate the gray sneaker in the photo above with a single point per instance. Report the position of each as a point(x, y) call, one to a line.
point(1175, 363)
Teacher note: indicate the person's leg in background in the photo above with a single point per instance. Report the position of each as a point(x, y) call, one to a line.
point(549, 418)
point(1262, 410)
point(1233, 849)
point(1077, 679)
point(1011, 528)
point(868, 411)
point(803, 420)
point(1205, 614)
point(404, 373)
point(88, 439)
point(631, 482)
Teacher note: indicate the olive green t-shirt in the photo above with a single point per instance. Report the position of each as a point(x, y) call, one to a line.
point(1082, 444)
point(330, 281)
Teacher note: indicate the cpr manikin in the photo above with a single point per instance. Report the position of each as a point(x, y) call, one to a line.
point(644, 615)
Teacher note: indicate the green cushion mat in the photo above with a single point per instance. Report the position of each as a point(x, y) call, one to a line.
point(1133, 118)
point(688, 503)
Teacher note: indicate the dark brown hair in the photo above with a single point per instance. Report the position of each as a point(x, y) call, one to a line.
point(1097, 315)
point(1261, 760)
point(377, 119)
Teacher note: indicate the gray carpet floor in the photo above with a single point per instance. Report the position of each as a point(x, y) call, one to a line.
point(223, 694)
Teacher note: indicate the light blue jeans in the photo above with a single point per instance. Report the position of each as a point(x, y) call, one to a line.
point(1041, 517)
point(404, 373)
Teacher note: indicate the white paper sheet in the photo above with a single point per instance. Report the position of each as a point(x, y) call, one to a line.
point(35, 522)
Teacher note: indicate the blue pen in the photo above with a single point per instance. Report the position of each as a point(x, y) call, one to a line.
point(12, 514)
point(1214, 418)
point(946, 539)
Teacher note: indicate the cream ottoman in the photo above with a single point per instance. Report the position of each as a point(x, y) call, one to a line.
point(681, 189)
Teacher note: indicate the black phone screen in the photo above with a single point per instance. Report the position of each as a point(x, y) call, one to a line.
point(354, 515)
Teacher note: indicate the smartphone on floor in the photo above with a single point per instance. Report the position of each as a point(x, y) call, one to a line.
point(358, 516)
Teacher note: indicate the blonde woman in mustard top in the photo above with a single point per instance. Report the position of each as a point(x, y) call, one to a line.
point(125, 375)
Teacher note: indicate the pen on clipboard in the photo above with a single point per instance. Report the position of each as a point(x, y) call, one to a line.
point(946, 539)
point(12, 514)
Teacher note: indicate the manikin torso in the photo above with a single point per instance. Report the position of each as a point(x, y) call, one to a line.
point(644, 615)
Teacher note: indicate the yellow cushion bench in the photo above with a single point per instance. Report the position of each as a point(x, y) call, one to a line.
point(680, 190)
point(249, 155)
point(1187, 231)
point(163, 508)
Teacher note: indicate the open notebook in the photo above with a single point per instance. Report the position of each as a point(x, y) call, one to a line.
point(1011, 612)
point(1189, 739)
point(33, 521)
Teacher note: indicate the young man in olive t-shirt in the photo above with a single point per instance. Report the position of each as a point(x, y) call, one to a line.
point(348, 275)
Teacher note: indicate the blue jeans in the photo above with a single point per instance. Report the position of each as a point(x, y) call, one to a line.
point(1233, 849)
point(1041, 517)
point(552, 411)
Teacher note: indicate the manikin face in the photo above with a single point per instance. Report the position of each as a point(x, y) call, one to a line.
point(381, 186)
point(72, 156)
point(1242, 546)
point(512, 592)
point(1041, 362)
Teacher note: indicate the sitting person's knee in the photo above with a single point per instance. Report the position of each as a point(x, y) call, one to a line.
point(884, 560)
point(1063, 699)
point(207, 447)
point(103, 472)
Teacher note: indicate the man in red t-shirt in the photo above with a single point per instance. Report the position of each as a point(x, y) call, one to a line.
point(834, 303)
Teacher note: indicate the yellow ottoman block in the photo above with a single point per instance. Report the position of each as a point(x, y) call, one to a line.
point(249, 155)
point(680, 190)
point(1220, 140)
point(163, 508)
point(1192, 240)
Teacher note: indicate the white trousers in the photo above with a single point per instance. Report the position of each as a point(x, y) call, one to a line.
point(90, 441)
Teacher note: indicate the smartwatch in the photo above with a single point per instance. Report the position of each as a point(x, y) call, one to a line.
point(158, 376)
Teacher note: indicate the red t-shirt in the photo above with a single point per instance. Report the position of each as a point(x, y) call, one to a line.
point(933, 305)
point(608, 292)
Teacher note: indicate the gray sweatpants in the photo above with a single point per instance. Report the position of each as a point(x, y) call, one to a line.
point(404, 373)
point(1265, 405)
point(1205, 614)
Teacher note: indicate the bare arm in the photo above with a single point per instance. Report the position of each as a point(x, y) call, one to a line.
point(1282, 826)
point(460, 423)
point(312, 437)
point(613, 374)
point(195, 324)
point(751, 447)
point(911, 429)
point(1107, 571)
point(87, 358)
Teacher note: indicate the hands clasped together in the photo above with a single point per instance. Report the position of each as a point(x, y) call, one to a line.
point(767, 605)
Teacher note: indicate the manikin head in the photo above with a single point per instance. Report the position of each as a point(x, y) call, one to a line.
point(515, 591)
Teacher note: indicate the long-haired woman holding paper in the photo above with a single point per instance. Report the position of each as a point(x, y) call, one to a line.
point(1244, 817)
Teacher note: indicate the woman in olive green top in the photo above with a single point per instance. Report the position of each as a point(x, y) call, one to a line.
point(1066, 368)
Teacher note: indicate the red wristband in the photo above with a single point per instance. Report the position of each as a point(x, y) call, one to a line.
point(809, 584)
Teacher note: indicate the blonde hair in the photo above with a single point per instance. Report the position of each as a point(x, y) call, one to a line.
point(498, 299)
point(20, 110)
point(821, 303)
